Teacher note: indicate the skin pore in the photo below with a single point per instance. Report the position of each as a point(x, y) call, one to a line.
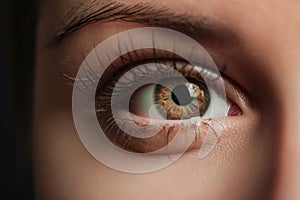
point(257, 155)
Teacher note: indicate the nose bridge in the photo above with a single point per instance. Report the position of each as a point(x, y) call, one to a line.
point(286, 81)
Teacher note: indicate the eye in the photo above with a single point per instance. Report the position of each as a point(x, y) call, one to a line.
point(145, 96)
point(178, 99)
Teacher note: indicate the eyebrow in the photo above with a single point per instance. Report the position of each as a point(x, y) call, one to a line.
point(148, 14)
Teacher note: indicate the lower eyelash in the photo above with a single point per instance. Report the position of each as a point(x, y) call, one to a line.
point(128, 142)
point(105, 89)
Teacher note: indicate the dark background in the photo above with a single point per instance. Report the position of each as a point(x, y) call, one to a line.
point(17, 36)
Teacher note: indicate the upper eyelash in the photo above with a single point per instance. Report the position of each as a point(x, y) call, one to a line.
point(90, 80)
point(136, 53)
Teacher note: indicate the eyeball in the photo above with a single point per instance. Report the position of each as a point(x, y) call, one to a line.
point(147, 99)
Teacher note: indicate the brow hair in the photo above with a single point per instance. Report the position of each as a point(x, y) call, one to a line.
point(144, 13)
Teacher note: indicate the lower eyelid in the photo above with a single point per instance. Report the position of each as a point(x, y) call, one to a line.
point(161, 139)
point(188, 128)
point(167, 133)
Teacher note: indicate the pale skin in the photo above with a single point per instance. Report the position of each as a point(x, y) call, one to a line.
point(257, 156)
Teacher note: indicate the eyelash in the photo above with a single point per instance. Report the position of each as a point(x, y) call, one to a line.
point(105, 88)
point(110, 77)
point(127, 62)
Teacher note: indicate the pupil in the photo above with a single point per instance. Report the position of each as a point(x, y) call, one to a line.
point(181, 95)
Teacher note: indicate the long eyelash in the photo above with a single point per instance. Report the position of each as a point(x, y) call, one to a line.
point(94, 76)
point(102, 103)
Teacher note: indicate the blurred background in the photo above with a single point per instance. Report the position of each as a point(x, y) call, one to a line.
point(17, 36)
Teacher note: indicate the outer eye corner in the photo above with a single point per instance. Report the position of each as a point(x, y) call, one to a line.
point(233, 109)
point(117, 96)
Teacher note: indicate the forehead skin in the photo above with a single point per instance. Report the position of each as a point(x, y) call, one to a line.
point(269, 55)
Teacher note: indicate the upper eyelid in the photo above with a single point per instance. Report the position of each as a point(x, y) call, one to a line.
point(143, 56)
point(148, 14)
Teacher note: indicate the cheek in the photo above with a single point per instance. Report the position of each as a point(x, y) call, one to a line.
point(228, 166)
point(65, 170)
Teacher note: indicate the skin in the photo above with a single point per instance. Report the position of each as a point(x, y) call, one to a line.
point(257, 156)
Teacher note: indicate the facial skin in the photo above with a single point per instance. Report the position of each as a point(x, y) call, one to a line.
point(257, 156)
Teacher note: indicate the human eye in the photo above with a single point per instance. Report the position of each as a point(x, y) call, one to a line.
point(161, 101)
point(147, 93)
